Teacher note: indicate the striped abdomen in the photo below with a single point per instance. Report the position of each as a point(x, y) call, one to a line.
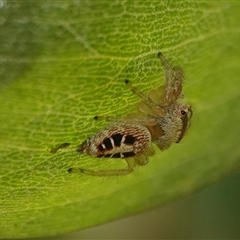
point(118, 141)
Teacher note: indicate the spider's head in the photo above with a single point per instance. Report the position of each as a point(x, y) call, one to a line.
point(184, 112)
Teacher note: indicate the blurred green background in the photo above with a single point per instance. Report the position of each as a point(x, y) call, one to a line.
point(211, 214)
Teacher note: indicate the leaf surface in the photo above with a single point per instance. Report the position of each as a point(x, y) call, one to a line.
point(64, 62)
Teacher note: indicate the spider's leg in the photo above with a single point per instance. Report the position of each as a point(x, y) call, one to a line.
point(55, 149)
point(143, 97)
point(146, 105)
point(113, 172)
point(174, 78)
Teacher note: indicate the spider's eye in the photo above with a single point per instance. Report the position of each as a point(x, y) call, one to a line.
point(183, 112)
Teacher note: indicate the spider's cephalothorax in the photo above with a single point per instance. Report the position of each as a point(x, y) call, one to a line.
point(160, 120)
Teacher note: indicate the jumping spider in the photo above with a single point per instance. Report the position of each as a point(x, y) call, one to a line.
point(160, 120)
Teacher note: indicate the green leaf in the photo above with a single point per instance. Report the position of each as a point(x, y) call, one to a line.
point(64, 62)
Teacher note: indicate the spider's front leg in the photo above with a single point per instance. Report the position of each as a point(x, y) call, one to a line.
point(174, 78)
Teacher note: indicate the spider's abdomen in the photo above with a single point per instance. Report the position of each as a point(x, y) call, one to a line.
point(118, 141)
